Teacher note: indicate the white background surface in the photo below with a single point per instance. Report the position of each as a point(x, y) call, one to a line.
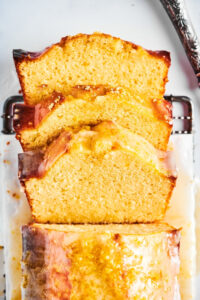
point(34, 24)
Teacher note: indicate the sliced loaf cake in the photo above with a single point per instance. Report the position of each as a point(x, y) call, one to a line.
point(92, 60)
point(99, 174)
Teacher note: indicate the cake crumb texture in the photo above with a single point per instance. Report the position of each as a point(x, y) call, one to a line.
point(92, 60)
point(106, 175)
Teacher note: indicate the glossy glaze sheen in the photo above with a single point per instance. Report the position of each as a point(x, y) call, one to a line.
point(106, 265)
point(36, 163)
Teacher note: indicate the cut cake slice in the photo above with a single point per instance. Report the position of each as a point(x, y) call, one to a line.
point(100, 262)
point(38, 125)
point(92, 60)
point(100, 174)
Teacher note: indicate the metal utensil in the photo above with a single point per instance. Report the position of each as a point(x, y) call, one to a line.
point(179, 16)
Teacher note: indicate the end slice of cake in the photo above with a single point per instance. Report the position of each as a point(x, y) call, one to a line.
point(36, 126)
point(110, 262)
point(92, 60)
point(99, 174)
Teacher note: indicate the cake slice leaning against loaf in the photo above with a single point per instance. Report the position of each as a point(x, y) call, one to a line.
point(99, 174)
point(92, 60)
point(100, 262)
point(38, 125)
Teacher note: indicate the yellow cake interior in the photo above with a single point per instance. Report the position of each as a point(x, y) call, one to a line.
point(107, 175)
point(92, 60)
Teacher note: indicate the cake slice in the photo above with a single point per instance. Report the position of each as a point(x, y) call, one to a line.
point(100, 174)
point(100, 262)
point(92, 60)
point(38, 125)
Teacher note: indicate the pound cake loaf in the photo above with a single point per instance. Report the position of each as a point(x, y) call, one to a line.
point(92, 60)
point(36, 126)
point(100, 262)
point(100, 174)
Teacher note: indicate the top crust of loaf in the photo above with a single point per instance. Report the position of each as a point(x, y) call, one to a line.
point(21, 56)
point(112, 262)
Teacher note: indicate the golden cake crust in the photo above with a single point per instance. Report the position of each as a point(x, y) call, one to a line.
point(21, 55)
